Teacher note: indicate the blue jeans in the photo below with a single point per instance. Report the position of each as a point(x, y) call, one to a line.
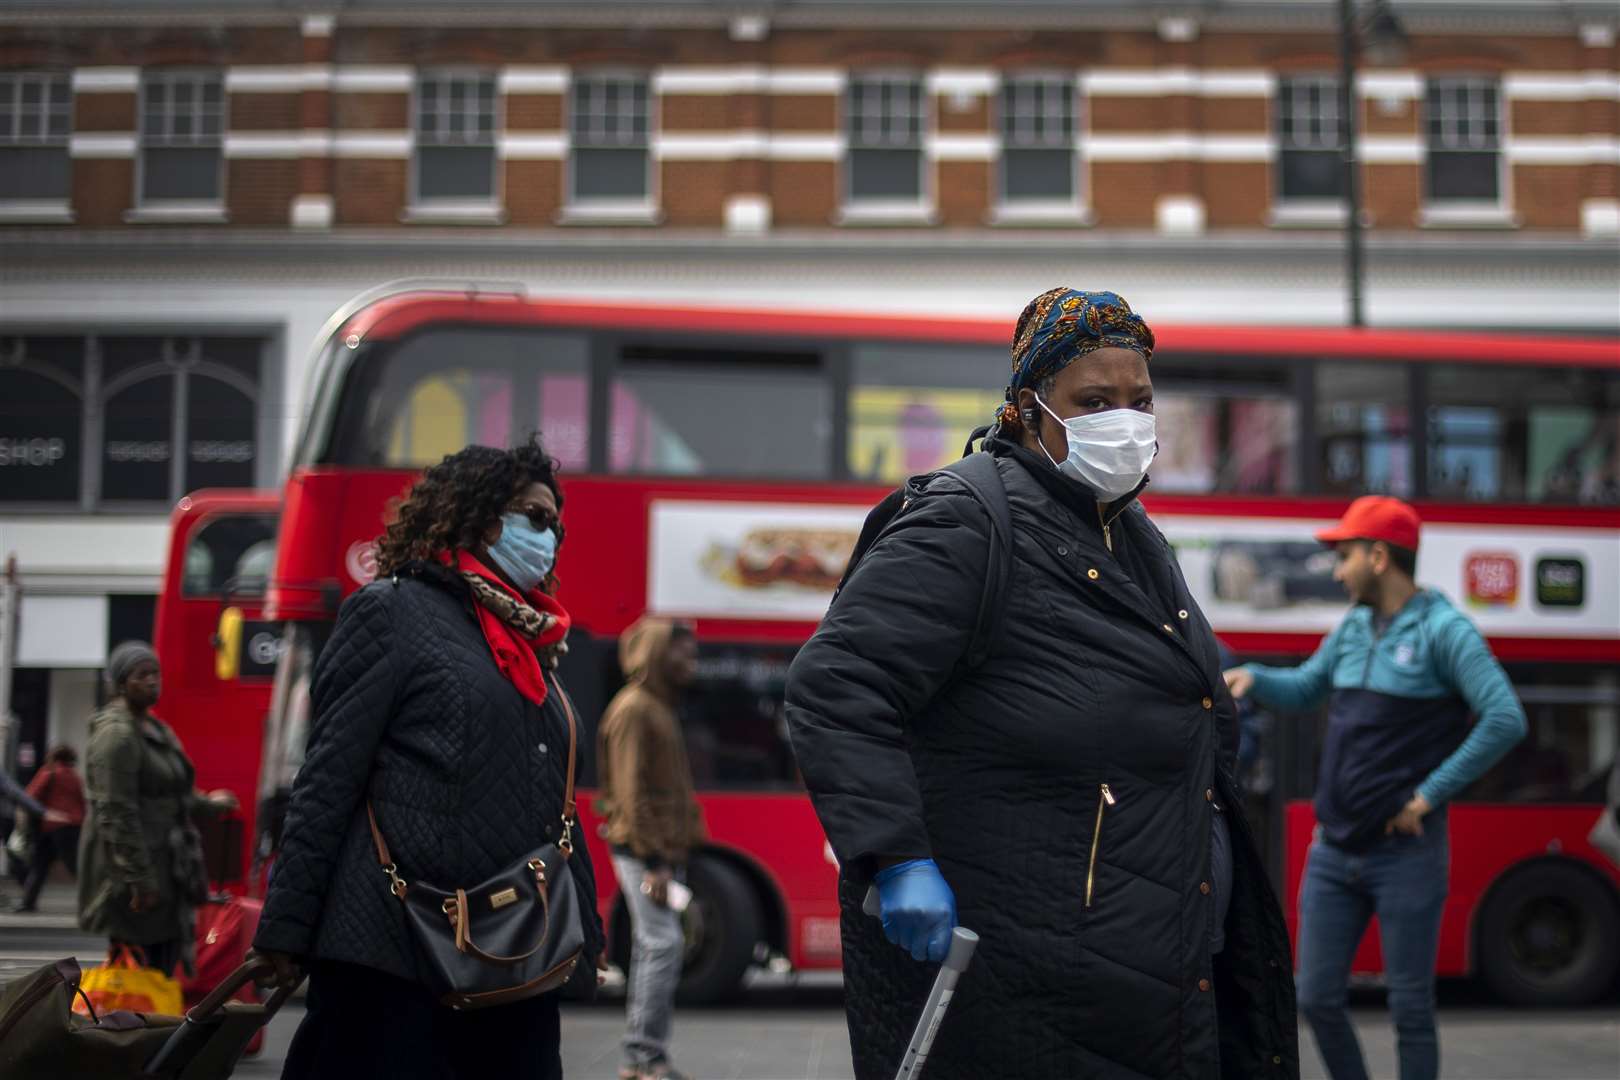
point(656, 944)
point(1403, 880)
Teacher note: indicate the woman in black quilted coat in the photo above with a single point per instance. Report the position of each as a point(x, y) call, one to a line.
point(1069, 797)
point(436, 701)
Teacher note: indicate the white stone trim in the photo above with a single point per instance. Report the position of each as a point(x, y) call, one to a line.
point(963, 81)
point(1600, 217)
point(1468, 215)
point(106, 80)
point(1167, 81)
point(264, 144)
point(1561, 86)
point(454, 212)
point(709, 146)
point(1061, 213)
point(533, 145)
point(266, 79)
point(533, 79)
point(1563, 150)
point(1177, 146)
point(1312, 214)
point(1179, 215)
point(959, 146)
point(1390, 85)
point(317, 26)
point(1392, 150)
point(828, 147)
point(36, 212)
point(708, 80)
point(611, 212)
point(372, 144)
point(1597, 35)
point(312, 212)
point(887, 212)
point(101, 144)
point(177, 213)
point(373, 79)
point(805, 80)
point(748, 214)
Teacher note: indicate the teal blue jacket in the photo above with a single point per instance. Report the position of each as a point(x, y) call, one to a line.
point(1389, 711)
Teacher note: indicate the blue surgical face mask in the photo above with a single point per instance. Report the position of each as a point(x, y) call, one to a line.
point(524, 553)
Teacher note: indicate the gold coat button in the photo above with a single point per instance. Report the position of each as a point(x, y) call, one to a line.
point(1276, 1059)
point(1092, 574)
point(1209, 794)
point(1203, 887)
point(1182, 614)
point(1209, 703)
point(1203, 984)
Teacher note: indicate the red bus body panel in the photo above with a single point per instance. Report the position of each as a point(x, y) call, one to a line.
point(1487, 840)
point(221, 724)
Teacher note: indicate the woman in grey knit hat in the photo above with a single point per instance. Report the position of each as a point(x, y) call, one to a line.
point(140, 865)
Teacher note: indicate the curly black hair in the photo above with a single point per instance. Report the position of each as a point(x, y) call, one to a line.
point(456, 501)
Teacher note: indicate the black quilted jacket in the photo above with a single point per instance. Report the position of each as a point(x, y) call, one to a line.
point(1104, 673)
point(465, 775)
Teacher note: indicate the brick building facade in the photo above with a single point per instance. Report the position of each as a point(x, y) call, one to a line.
point(1027, 116)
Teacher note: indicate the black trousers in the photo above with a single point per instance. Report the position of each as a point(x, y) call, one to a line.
point(62, 843)
point(360, 1024)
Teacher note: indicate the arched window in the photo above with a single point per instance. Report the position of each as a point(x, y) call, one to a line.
point(41, 419)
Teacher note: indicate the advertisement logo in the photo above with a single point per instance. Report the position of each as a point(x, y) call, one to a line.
point(1491, 578)
point(1561, 582)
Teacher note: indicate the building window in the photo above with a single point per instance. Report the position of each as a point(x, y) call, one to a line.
point(35, 118)
point(131, 421)
point(455, 137)
point(885, 121)
point(1465, 140)
point(182, 134)
point(1037, 140)
point(1309, 138)
point(609, 129)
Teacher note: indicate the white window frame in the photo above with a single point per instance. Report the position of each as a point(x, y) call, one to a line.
point(161, 210)
point(1452, 213)
point(1071, 211)
point(38, 210)
point(887, 211)
point(587, 209)
point(470, 210)
point(1296, 209)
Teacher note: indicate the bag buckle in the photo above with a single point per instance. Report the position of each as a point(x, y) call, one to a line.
point(396, 883)
point(566, 843)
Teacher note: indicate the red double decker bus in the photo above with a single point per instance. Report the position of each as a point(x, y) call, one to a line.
point(717, 465)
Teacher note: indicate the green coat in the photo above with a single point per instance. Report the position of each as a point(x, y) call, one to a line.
point(140, 786)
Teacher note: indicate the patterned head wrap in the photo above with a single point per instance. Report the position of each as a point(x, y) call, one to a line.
point(1060, 326)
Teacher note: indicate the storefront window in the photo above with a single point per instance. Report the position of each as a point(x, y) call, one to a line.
point(1363, 423)
point(41, 419)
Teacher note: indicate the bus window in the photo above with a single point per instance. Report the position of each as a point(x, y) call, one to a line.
point(1540, 434)
point(911, 407)
point(1225, 425)
point(720, 412)
point(232, 554)
point(1574, 716)
point(1363, 421)
point(442, 389)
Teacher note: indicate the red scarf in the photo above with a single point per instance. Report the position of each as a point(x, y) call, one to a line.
point(516, 654)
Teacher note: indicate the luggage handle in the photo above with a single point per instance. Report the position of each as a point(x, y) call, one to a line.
point(194, 1030)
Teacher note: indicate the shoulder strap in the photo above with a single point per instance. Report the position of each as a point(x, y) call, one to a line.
point(982, 477)
point(565, 845)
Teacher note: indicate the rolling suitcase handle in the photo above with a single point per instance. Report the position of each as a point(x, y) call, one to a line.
point(205, 1019)
point(963, 942)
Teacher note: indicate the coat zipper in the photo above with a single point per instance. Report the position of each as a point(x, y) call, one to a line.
point(1105, 799)
point(1108, 537)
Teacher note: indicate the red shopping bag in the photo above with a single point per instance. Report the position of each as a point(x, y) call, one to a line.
point(225, 929)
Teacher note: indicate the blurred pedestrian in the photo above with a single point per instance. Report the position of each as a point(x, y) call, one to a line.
point(651, 817)
point(61, 793)
point(435, 705)
point(1400, 676)
point(140, 858)
point(22, 810)
point(1069, 798)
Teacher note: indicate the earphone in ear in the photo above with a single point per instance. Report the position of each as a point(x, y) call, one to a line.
point(1032, 418)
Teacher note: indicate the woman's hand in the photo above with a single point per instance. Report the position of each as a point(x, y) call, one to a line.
point(601, 967)
point(286, 969)
point(225, 799)
point(655, 885)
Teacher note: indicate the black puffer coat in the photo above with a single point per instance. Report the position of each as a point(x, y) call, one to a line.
point(466, 776)
point(1104, 672)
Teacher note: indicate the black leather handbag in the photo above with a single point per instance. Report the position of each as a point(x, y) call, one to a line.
point(515, 936)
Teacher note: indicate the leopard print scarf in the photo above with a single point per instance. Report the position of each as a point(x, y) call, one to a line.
point(507, 608)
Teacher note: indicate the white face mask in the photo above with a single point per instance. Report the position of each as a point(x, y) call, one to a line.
point(1110, 451)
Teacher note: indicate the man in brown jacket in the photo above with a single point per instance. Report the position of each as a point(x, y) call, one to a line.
point(651, 818)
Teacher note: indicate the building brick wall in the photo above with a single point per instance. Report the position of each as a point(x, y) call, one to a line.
point(1190, 118)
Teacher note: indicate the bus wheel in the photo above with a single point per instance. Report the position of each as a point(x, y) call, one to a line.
point(722, 928)
point(1550, 935)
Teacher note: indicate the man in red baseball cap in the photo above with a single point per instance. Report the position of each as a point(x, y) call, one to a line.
point(1401, 676)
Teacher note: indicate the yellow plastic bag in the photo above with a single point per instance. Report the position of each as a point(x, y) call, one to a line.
point(124, 982)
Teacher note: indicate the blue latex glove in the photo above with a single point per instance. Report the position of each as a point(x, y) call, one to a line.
point(919, 909)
